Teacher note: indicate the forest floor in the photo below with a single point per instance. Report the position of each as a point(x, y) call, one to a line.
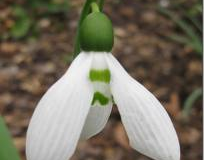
point(169, 70)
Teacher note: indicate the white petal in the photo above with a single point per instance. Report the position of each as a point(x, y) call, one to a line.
point(58, 120)
point(148, 125)
point(96, 120)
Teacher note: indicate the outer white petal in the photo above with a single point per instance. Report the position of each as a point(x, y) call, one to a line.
point(96, 120)
point(148, 125)
point(58, 120)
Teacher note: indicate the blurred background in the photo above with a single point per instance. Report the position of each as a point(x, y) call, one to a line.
point(157, 41)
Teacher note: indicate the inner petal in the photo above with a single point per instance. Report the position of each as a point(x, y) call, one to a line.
point(100, 77)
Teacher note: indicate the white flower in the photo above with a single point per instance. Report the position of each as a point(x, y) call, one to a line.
point(78, 105)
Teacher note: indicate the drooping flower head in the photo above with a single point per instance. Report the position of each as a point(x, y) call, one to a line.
point(79, 104)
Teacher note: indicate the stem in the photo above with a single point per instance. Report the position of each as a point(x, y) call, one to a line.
point(84, 13)
point(94, 7)
point(101, 3)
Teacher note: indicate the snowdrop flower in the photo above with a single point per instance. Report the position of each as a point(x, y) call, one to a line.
point(79, 104)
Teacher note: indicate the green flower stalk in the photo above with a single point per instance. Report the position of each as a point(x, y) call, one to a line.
point(79, 104)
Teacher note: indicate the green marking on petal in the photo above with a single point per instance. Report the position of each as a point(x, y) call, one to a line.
point(100, 75)
point(103, 100)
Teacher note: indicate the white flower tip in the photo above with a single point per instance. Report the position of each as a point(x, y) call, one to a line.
point(169, 151)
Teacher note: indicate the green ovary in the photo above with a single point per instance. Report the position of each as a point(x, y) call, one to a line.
point(103, 100)
point(96, 33)
point(100, 75)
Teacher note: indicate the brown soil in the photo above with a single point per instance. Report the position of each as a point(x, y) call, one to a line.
point(170, 70)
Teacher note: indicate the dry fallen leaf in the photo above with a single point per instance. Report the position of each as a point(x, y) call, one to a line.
point(173, 106)
point(9, 49)
point(20, 143)
point(190, 136)
point(121, 136)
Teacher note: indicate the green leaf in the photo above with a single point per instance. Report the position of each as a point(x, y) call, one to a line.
point(197, 46)
point(191, 37)
point(179, 38)
point(196, 22)
point(22, 23)
point(191, 99)
point(194, 44)
point(7, 148)
point(187, 29)
point(50, 7)
point(196, 9)
point(56, 8)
